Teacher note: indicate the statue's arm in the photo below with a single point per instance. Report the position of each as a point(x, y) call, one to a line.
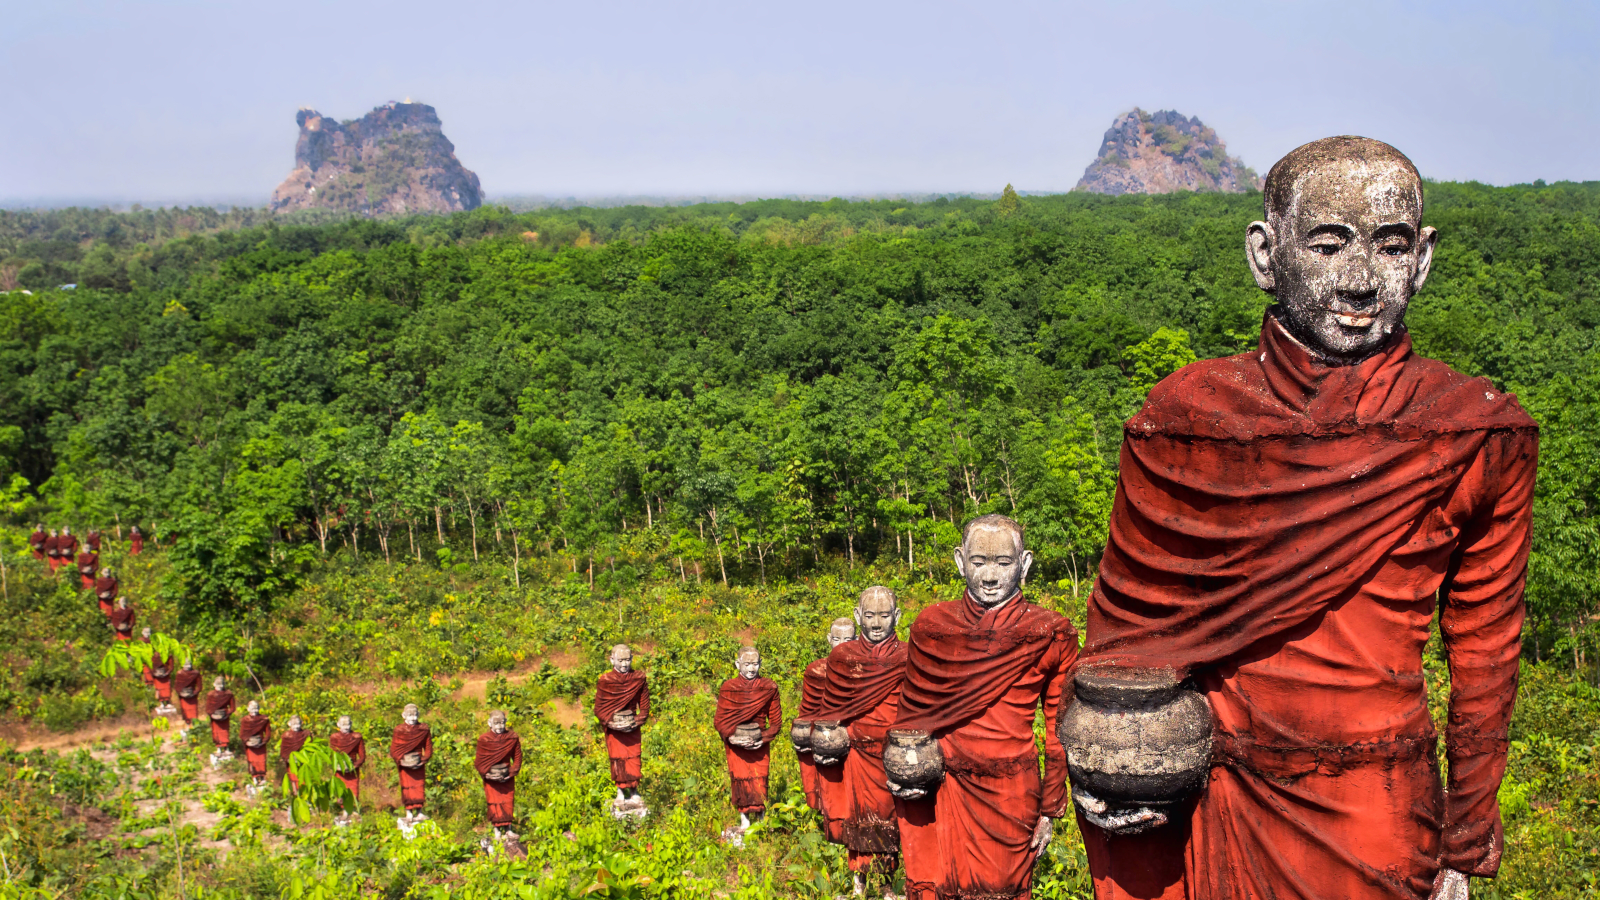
point(1481, 622)
point(774, 719)
point(643, 711)
point(1057, 800)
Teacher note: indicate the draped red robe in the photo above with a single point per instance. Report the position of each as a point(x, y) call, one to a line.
point(615, 692)
point(187, 681)
point(105, 591)
point(291, 742)
point(975, 678)
point(257, 726)
point(417, 739)
point(122, 622)
point(863, 693)
point(93, 540)
point(161, 677)
point(353, 745)
point(88, 561)
point(1280, 532)
point(813, 683)
point(37, 541)
point(493, 750)
point(136, 545)
point(220, 701)
point(52, 551)
point(742, 700)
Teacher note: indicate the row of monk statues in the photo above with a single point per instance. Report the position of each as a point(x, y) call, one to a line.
point(60, 548)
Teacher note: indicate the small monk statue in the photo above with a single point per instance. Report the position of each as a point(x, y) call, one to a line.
point(220, 706)
point(161, 680)
point(291, 743)
point(825, 781)
point(66, 547)
point(123, 618)
point(145, 675)
point(255, 732)
point(92, 539)
point(86, 562)
point(622, 706)
point(135, 542)
point(864, 678)
point(187, 682)
point(52, 550)
point(1287, 523)
point(411, 747)
point(978, 670)
point(106, 588)
point(345, 739)
point(498, 760)
point(749, 715)
point(37, 541)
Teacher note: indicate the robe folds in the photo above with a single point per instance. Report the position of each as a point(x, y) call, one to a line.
point(291, 743)
point(416, 739)
point(615, 692)
point(1280, 533)
point(136, 545)
point(741, 700)
point(122, 622)
point(93, 539)
point(36, 543)
point(258, 727)
point(495, 750)
point(975, 678)
point(219, 702)
point(862, 692)
point(161, 676)
point(105, 591)
point(87, 563)
point(813, 682)
point(187, 683)
point(52, 552)
point(353, 745)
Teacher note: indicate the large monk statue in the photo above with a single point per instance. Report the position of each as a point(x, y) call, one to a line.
point(498, 760)
point(255, 732)
point(87, 561)
point(291, 743)
point(864, 679)
point(220, 706)
point(978, 670)
point(106, 588)
point(411, 747)
point(345, 739)
point(813, 687)
point(123, 618)
point(1284, 523)
point(749, 715)
point(37, 540)
point(135, 542)
point(622, 705)
point(187, 683)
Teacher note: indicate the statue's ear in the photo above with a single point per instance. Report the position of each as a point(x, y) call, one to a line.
point(1027, 563)
point(961, 563)
point(1428, 240)
point(1259, 244)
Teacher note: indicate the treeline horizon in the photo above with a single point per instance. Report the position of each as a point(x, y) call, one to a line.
point(738, 392)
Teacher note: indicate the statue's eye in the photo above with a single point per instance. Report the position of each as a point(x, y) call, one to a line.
point(1325, 249)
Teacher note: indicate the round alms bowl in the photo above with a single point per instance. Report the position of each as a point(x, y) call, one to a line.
point(829, 740)
point(1136, 736)
point(913, 759)
point(800, 735)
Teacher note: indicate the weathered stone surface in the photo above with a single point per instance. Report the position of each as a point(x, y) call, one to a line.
point(1160, 152)
point(1136, 736)
point(393, 160)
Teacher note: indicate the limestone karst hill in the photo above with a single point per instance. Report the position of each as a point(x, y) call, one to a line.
point(1155, 153)
point(393, 160)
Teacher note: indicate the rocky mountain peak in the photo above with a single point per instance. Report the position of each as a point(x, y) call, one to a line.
point(1155, 153)
point(393, 160)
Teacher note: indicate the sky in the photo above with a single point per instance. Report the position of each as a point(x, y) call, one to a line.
point(164, 102)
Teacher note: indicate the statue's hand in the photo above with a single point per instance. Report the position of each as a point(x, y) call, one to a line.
point(823, 760)
point(1120, 821)
point(756, 744)
point(906, 793)
point(1042, 833)
point(1449, 885)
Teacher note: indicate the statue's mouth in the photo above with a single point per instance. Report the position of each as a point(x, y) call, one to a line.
point(1357, 318)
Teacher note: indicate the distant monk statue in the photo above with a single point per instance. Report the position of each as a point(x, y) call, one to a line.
point(498, 760)
point(106, 588)
point(291, 743)
point(92, 539)
point(66, 547)
point(862, 699)
point(813, 686)
point(411, 747)
point(122, 620)
point(345, 739)
point(749, 715)
point(135, 542)
point(978, 670)
point(161, 680)
point(255, 731)
point(145, 674)
point(37, 541)
point(52, 550)
point(622, 705)
point(187, 682)
point(219, 709)
point(1284, 520)
point(87, 561)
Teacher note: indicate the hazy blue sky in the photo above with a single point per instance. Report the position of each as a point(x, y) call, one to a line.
point(177, 100)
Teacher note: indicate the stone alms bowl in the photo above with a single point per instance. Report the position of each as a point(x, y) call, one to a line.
point(913, 759)
point(829, 740)
point(747, 732)
point(1136, 736)
point(411, 760)
point(800, 735)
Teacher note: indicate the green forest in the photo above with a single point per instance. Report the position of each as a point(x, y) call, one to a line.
point(452, 460)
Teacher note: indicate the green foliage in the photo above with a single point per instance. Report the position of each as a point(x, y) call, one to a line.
point(316, 765)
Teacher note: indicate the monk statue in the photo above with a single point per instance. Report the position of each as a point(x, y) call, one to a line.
point(1285, 522)
point(66, 547)
point(135, 542)
point(106, 588)
point(622, 706)
point(498, 760)
point(864, 678)
point(813, 686)
point(87, 562)
point(961, 757)
point(52, 550)
point(255, 731)
point(291, 743)
point(145, 675)
point(187, 682)
point(37, 541)
point(411, 747)
point(123, 618)
point(346, 740)
point(161, 680)
point(220, 706)
point(749, 715)
point(92, 539)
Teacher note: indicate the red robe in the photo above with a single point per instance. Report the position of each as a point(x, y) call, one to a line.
point(255, 757)
point(353, 745)
point(36, 542)
point(1281, 531)
point(219, 701)
point(136, 545)
point(291, 742)
point(122, 622)
point(975, 678)
point(93, 540)
point(88, 562)
point(66, 549)
point(413, 779)
point(52, 551)
point(615, 693)
point(863, 693)
point(145, 674)
point(742, 700)
point(161, 677)
point(187, 681)
point(493, 750)
point(105, 591)
point(813, 681)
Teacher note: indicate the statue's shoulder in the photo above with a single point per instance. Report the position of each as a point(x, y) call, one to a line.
point(1445, 399)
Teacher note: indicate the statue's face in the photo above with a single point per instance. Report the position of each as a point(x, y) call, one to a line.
point(218, 683)
point(105, 573)
point(497, 724)
point(878, 615)
point(146, 633)
point(409, 715)
point(253, 708)
point(622, 660)
point(344, 724)
point(1345, 259)
point(992, 564)
point(840, 634)
point(122, 603)
point(295, 724)
point(749, 665)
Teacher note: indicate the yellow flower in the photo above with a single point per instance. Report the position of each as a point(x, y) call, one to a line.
point(435, 617)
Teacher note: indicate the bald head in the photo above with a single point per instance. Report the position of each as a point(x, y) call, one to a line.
point(840, 631)
point(993, 559)
point(621, 659)
point(1325, 164)
point(878, 612)
point(749, 662)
